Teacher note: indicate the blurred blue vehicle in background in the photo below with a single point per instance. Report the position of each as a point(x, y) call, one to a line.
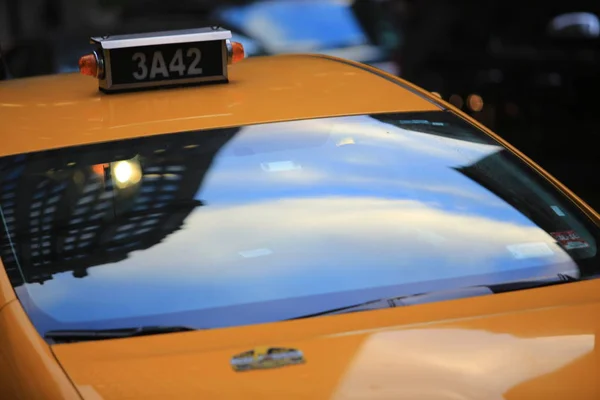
point(342, 28)
point(305, 26)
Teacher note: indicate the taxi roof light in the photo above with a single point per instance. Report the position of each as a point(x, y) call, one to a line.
point(161, 59)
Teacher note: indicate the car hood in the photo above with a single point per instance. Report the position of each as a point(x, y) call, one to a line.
point(532, 344)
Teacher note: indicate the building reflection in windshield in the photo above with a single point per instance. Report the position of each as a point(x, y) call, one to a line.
point(70, 216)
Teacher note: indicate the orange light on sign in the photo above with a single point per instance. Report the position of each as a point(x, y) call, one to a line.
point(88, 65)
point(237, 52)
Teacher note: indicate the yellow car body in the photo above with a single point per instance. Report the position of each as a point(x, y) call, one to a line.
point(535, 343)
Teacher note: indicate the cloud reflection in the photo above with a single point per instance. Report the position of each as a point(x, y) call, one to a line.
point(384, 160)
point(371, 132)
point(361, 243)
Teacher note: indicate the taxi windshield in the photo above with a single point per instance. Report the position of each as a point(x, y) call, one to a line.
point(267, 222)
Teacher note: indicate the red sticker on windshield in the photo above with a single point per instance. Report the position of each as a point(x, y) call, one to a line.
point(569, 240)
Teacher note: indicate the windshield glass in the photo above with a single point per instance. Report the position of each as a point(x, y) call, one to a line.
point(297, 25)
point(266, 222)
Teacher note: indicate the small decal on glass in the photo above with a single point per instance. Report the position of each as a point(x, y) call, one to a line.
point(279, 166)
point(530, 250)
point(569, 240)
point(558, 211)
point(255, 253)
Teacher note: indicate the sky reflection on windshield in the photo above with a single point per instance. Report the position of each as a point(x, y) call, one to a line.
point(312, 207)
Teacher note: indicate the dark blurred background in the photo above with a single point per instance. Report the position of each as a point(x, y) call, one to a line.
point(529, 70)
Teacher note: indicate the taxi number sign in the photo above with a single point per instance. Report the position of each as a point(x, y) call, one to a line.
point(168, 62)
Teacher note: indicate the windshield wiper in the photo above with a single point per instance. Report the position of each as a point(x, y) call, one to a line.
point(78, 335)
point(422, 298)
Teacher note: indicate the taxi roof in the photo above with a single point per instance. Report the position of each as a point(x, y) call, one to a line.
point(66, 110)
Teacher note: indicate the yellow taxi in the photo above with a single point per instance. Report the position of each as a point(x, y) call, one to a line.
point(177, 224)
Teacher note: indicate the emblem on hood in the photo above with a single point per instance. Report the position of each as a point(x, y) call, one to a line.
point(265, 358)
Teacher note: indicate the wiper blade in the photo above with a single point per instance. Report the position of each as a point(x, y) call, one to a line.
point(531, 284)
point(422, 298)
point(78, 335)
point(369, 305)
